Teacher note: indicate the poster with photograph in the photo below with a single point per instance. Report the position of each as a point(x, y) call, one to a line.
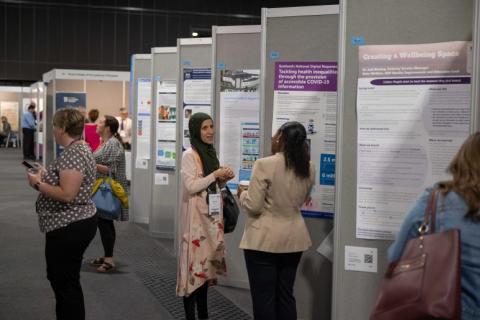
point(166, 119)
point(239, 115)
point(197, 85)
point(413, 109)
point(307, 92)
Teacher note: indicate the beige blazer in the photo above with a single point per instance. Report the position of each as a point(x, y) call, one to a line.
point(273, 201)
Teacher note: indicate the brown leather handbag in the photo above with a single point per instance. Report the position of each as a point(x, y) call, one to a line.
point(425, 282)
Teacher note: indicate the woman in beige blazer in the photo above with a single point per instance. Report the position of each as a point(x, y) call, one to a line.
point(275, 233)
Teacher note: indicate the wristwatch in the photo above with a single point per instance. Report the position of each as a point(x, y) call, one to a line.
point(36, 186)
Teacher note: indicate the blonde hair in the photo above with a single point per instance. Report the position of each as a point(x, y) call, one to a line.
point(465, 170)
point(71, 120)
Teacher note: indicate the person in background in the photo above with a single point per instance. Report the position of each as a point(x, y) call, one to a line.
point(201, 257)
point(110, 158)
point(5, 129)
point(275, 234)
point(458, 205)
point(125, 128)
point(66, 212)
point(91, 135)
point(28, 129)
point(93, 115)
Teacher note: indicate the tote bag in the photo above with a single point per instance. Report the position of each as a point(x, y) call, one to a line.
point(425, 282)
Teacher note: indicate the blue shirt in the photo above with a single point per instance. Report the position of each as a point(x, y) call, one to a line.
point(28, 121)
point(451, 211)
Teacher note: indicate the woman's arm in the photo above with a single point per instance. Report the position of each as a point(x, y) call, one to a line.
point(68, 188)
point(253, 200)
point(192, 182)
point(102, 169)
point(408, 230)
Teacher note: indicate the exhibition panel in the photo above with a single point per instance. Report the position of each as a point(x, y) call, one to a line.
point(163, 177)
point(194, 60)
point(141, 109)
point(236, 103)
point(404, 108)
point(298, 76)
point(38, 96)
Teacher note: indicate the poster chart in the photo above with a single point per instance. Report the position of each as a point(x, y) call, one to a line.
point(76, 100)
point(197, 84)
point(307, 92)
point(144, 104)
point(9, 109)
point(413, 107)
point(166, 124)
point(239, 116)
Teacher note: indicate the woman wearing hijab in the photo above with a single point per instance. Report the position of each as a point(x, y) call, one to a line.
point(201, 243)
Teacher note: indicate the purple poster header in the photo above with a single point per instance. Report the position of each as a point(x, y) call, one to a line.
point(306, 76)
point(420, 81)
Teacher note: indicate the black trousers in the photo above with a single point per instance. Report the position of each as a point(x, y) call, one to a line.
point(199, 298)
point(108, 235)
point(28, 143)
point(271, 277)
point(64, 251)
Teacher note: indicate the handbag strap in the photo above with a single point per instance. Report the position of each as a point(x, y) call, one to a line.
point(430, 214)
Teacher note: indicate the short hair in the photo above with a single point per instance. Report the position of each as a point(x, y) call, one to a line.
point(93, 115)
point(71, 120)
point(123, 109)
point(31, 106)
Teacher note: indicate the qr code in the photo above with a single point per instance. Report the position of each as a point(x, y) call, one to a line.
point(368, 258)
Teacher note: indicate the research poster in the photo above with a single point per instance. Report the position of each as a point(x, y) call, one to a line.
point(197, 86)
point(144, 106)
point(307, 92)
point(166, 124)
point(9, 109)
point(76, 100)
point(239, 116)
point(413, 109)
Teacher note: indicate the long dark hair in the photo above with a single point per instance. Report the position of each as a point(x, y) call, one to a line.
point(295, 148)
point(112, 124)
point(465, 170)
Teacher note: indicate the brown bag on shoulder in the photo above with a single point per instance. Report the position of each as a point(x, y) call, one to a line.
point(425, 282)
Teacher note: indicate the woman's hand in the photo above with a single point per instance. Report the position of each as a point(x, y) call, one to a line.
point(223, 174)
point(240, 190)
point(34, 176)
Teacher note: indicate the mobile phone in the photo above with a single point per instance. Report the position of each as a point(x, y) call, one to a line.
point(28, 165)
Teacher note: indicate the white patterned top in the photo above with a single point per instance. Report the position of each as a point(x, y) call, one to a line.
point(54, 214)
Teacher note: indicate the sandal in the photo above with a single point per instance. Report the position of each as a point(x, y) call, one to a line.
point(97, 262)
point(106, 267)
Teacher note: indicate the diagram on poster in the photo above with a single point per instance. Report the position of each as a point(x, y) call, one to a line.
point(307, 92)
point(196, 96)
point(239, 116)
point(166, 124)
point(144, 105)
point(413, 107)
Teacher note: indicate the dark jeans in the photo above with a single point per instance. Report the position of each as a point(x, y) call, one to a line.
point(107, 233)
point(271, 277)
point(28, 143)
point(198, 297)
point(64, 251)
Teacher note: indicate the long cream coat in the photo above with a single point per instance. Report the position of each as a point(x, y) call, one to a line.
point(201, 243)
point(273, 201)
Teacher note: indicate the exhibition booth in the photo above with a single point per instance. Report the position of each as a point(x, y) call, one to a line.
point(13, 102)
point(106, 91)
